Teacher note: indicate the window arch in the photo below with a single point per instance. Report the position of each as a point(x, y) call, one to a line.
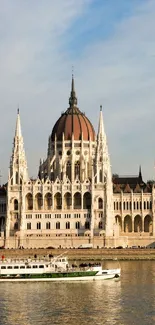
point(38, 225)
point(57, 225)
point(100, 176)
point(28, 225)
point(15, 204)
point(16, 226)
point(67, 200)
point(38, 201)
point(48, 201)
point(127, 224)
point(48, 225)
point(87, 225)
point(100, 203)
point(148, 224)
point(77, 225)
point(77, 170)
point(87, 200)
point(16, 178)
point(100, 225)
point(68, 169)
point(57, 201)
point(67, 225)
point(137, 224)
point(77, 200)
point(29, 201)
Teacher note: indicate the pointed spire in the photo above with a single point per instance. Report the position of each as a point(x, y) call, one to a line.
point(140, 173)
point(73, 98)
point(18, 162)
point(101, 125)
point(18, 132)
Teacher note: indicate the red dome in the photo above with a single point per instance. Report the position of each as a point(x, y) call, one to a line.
point(73, 121)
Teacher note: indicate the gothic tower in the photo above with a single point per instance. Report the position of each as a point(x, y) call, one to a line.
point(18, 174)
point(103, 180)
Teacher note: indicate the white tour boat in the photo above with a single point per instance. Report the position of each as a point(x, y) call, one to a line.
point(52, 269)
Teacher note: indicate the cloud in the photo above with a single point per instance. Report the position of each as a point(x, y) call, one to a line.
point(39, 44)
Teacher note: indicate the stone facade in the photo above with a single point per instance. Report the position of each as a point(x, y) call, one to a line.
point(74, 201)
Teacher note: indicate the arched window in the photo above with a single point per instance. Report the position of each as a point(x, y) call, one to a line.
point(15, 205)
point(57, 201)
point(68, 169)
point(67, 200)
point(67, 225)
point(127, 205)
point(114, 206)
point(100, 203)
point(28, 225)
point(87, 225)
point(144, 205)
point(124, 205)
point(100, 177)
point(57, 225)
point(77, 200)
point(137, 205)
point(77, 225)
point(38, 201)
point(38, 225)
point(16, 180)
point(48, 201)
point(137, 223)
point(16, 226)
point(147, 205)
point(127, 224)
point(29, 201)
point(87, 200)
point(48, 225)
point(77, 170)
point(100, 225)
point(134, 205)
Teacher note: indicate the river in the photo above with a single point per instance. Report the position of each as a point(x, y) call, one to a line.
point(131, 300)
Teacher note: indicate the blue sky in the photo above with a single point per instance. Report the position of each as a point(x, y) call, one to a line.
point(98, 22)
point(111, 44)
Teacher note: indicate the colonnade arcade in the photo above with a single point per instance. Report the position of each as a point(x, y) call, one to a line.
point(58, 201)
point(138, 224)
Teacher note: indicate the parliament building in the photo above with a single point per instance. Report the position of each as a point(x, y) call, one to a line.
point(75, 201)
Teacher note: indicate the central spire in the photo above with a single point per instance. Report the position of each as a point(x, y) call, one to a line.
point(18, 132)
point(72, 98)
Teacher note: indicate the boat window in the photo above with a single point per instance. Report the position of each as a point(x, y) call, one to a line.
point(9, 267)
point(46, 265)
point(35, 266)
point(28, 267)
point(104, 272)
point(41, 266)
point(63, 260)
point(22, 267)
point(16, 267)
point(3, 267)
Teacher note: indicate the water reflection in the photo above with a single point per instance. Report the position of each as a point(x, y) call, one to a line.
point(126, 302)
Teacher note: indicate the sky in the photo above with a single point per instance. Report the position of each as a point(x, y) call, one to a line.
point(111, 45)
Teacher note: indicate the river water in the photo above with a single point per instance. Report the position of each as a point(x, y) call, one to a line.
point(128, 301)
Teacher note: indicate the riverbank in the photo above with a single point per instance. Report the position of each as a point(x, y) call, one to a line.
point(83, 254)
